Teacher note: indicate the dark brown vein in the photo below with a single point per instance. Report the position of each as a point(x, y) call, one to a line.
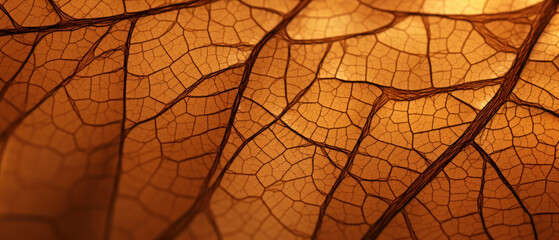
point(80, 23)
point(114, 194)
point(175, 228)
point(379, 102)
point(503, 179)
point(480, 199)
point(479, 123)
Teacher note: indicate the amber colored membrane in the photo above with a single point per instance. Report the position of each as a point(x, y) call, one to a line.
point(279, 119)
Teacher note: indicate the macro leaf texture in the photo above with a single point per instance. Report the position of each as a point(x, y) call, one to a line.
point(279, 119)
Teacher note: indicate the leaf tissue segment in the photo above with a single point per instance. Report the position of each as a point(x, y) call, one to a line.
point(263, 119)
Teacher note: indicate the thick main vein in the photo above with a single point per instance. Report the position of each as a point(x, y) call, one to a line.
point(202, 201)
point(479, 123)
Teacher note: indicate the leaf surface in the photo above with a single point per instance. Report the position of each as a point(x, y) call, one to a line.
point(261, 119)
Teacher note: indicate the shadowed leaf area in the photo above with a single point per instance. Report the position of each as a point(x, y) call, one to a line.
point(279, 119)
